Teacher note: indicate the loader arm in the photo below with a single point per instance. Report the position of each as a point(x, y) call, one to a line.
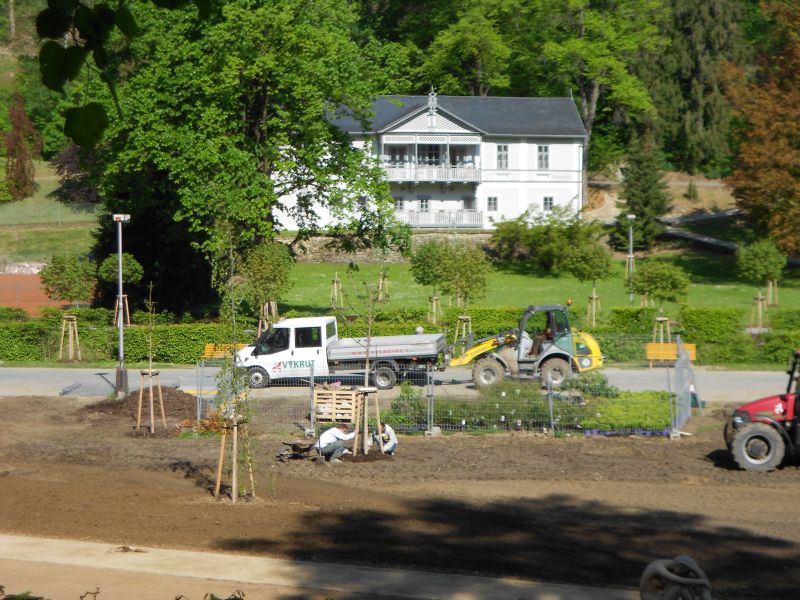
point(481, 347)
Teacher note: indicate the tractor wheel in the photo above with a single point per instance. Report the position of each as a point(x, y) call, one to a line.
point(487, 371)
point(257, 378)
point(384, 377)
point(758, 447)
point(728, 433)
point(555, 370)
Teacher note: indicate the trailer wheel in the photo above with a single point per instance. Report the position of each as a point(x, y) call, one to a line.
point(556, 370)
point(758, 447)
point(257, 378)
point(487, 371)
point(385, 377)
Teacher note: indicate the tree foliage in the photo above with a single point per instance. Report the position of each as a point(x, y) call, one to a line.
point(428, 264)
point(660, 281)
point(685, 81)
point(23, 144)
point(589, 261)
point(766, 180)
point(466, 268)
point(760, 261)
point(643, 195)
point(132, 270)
point(265, 275)
point(552, 241)
point(70, 278)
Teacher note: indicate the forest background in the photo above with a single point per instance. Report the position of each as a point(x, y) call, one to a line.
point(203, 99)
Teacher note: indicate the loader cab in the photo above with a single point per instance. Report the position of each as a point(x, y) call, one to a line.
point(547, 329)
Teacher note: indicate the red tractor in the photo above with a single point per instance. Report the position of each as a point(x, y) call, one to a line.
point(760, 433)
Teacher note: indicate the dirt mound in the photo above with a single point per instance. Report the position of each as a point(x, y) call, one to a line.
point(178, 405)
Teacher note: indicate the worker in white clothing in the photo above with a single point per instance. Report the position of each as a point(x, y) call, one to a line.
point(330, 444)
point(389, 439)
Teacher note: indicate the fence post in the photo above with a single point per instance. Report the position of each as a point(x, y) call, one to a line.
point(429, 391)
point(550, 404)
point(312, 418)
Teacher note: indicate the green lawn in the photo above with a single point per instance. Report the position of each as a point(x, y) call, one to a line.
point(37, 244)
point(713, 276)
point(44, 207)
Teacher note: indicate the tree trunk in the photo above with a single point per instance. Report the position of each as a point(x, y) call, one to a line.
point(12, 21)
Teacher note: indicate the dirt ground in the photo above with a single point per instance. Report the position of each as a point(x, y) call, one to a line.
point(591, 511)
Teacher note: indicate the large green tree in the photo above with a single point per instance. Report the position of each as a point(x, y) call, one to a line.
point(685, 81)
point(643, 195)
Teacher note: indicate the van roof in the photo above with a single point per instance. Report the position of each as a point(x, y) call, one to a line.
point(305, 322)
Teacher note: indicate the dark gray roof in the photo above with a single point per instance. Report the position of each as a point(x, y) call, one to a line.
point(492, 115)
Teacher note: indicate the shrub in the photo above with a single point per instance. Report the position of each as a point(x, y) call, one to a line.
point(785, 319)
point(704, 325)
point(9, 314)
point(632, 320)
point(779, 345)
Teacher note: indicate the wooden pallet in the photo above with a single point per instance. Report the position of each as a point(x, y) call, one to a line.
point(338, 406)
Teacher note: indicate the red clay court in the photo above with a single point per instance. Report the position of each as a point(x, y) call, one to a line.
point(24, 291)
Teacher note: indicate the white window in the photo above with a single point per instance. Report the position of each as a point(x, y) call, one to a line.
point(544, 157)
point(399, 203)
point(547, 203)
point(424, 203)
point(502, 156)
point(491, 204)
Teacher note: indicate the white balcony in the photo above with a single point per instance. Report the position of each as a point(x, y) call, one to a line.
point(432, 173)
point(441, 218)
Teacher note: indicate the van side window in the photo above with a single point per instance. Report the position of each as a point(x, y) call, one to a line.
point(274, 340)
point(330, 330)
point(307, 337)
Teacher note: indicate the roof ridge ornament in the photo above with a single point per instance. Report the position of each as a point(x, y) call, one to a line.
point(433, 105)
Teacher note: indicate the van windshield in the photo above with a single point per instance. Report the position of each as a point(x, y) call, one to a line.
point(274, 340)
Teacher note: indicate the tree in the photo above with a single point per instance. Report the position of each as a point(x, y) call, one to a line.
point(265, 272)
point(70, 278)
point(766, 181)
point(465, 269)
point(685, 82)
point(470, 56)
point(760, 262)
point(132, 271)
point(643, 194)
point(428, 264)
point(589, 261)
point(588, 47)
point(660, 281)
point(23, 144)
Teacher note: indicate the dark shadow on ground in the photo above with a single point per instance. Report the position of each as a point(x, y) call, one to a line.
point(557, 539)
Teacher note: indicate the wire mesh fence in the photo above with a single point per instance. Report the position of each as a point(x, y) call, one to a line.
point(421, 400)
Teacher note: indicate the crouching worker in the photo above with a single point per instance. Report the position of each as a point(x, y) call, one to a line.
point(387, 436)
point(330, 444)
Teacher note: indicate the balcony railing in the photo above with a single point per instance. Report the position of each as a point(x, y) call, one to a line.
point(441, 218)
point(432, 173)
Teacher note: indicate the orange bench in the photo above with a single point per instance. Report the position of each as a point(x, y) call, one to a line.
point(212, 350)
point(667, 351)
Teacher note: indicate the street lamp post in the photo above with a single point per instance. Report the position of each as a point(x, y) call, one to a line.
point(122, 373)
point(631, 266)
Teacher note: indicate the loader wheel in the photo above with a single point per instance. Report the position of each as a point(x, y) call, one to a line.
point(487, 371)
point(728, 433)
point(384, 377)
point(758, 447)
point(257, 378)
point(556, 370)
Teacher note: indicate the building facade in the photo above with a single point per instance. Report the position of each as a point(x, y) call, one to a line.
point(471, 161)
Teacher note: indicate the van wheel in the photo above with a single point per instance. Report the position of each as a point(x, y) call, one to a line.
point(384, 377)
point(257, 378)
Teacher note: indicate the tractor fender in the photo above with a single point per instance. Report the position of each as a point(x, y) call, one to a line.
point(784, 434)
point(556, 353)
point(499, 359)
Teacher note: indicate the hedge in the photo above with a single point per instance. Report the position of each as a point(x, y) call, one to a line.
point(787, 319)
point(711, 324)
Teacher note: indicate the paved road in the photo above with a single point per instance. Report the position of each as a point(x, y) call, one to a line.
point(711, 385)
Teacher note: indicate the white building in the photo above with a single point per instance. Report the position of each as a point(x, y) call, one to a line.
point(469, 161)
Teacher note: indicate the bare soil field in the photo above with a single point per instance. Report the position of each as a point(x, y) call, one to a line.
point(591, 511)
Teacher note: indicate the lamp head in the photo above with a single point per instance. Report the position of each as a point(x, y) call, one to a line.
point(121, 218)
point(631, 217)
